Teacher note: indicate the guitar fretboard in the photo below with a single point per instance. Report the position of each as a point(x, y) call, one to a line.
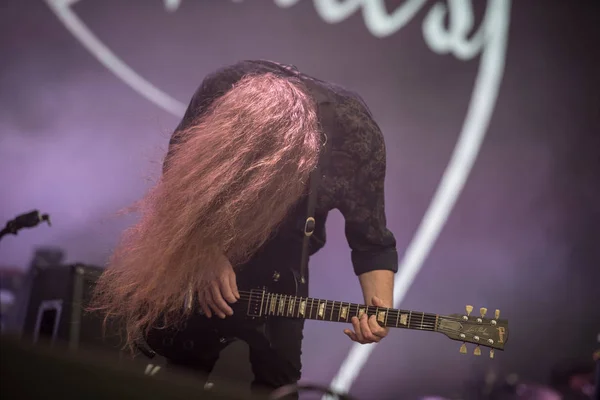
point(273, 304)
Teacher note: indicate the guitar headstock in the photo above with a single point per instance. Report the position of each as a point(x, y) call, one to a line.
point(479, 330)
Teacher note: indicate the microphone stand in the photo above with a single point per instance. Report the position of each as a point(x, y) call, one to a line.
point(597, 383)
point(27, 220)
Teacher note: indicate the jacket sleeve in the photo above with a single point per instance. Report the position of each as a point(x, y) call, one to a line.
point(362, 202)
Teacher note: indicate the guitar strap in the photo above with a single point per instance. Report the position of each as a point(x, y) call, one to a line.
point(309, 223)
point(325, 115)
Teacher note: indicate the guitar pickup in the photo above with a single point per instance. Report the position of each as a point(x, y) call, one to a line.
point(255, 304)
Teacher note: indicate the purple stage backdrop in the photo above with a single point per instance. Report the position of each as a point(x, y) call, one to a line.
point(490, 114)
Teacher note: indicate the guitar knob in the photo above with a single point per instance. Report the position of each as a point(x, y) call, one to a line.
point(491, 353)
point(483, 310)
point(188, 345)
point(469, 309)
point(477, 351)
point(276, 276)
point(497, 314)
point(463, 349)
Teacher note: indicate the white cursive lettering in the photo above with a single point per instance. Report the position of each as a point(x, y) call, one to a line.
point(380, 24)
point(454, 39)
point(489, 41)
point(494, 31)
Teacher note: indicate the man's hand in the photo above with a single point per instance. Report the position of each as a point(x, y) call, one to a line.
point(221, 290)
point(367, 330)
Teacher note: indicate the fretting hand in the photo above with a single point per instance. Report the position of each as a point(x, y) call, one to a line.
point(367, 330)
point(221, 290)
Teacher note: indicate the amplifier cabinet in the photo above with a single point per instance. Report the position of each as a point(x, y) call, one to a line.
point(56, 309)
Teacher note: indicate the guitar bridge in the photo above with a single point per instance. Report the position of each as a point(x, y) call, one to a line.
point(255, 304)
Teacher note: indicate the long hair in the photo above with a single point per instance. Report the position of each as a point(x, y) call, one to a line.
point(229, 181)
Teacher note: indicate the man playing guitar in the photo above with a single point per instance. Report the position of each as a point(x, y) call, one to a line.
point(261, 156)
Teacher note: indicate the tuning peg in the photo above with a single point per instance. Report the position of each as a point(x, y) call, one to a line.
point(469, 309)
point(491, 353)
point(463, 348)
point(477, 351)
point(497, 314)
point(483, 310)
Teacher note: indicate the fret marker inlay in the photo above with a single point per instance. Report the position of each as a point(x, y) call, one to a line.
point(281, 305)
point(344, 313)
point(403, 319)
point(291, 306)
point(321, 309)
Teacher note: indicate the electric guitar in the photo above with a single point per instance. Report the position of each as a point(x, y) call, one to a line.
point(278, 299)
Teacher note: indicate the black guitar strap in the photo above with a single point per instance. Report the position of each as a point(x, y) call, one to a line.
point(309, 223)
point(325, 115)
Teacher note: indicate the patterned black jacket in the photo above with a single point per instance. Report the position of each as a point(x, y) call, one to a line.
point(352, 175)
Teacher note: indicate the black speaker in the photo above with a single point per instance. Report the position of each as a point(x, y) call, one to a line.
point(56, 308)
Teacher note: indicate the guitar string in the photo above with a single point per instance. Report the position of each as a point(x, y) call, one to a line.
point(330, 303)
point(245, 295)
point(427, 318)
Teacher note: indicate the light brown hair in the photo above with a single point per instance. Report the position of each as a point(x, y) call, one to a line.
point(230, 180)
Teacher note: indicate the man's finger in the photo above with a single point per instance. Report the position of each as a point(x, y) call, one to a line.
point(233, 284)
point(366, 331)
point(377, 302)
point(211, 303)
point(218, 300)
point(356, 326)
point(226, 291)
point(352, 335)
point(204, 304)
point(376, 329)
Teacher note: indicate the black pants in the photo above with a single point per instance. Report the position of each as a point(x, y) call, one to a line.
point(275, 353)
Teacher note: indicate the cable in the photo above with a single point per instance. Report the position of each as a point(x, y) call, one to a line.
point(282, 392)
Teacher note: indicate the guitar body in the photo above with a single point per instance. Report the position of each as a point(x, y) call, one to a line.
point(281, 294)
point(199, 337)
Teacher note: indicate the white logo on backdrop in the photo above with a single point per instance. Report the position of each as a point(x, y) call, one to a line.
point(488, 42)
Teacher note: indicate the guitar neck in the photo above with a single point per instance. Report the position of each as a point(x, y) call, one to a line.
point(273, 304)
